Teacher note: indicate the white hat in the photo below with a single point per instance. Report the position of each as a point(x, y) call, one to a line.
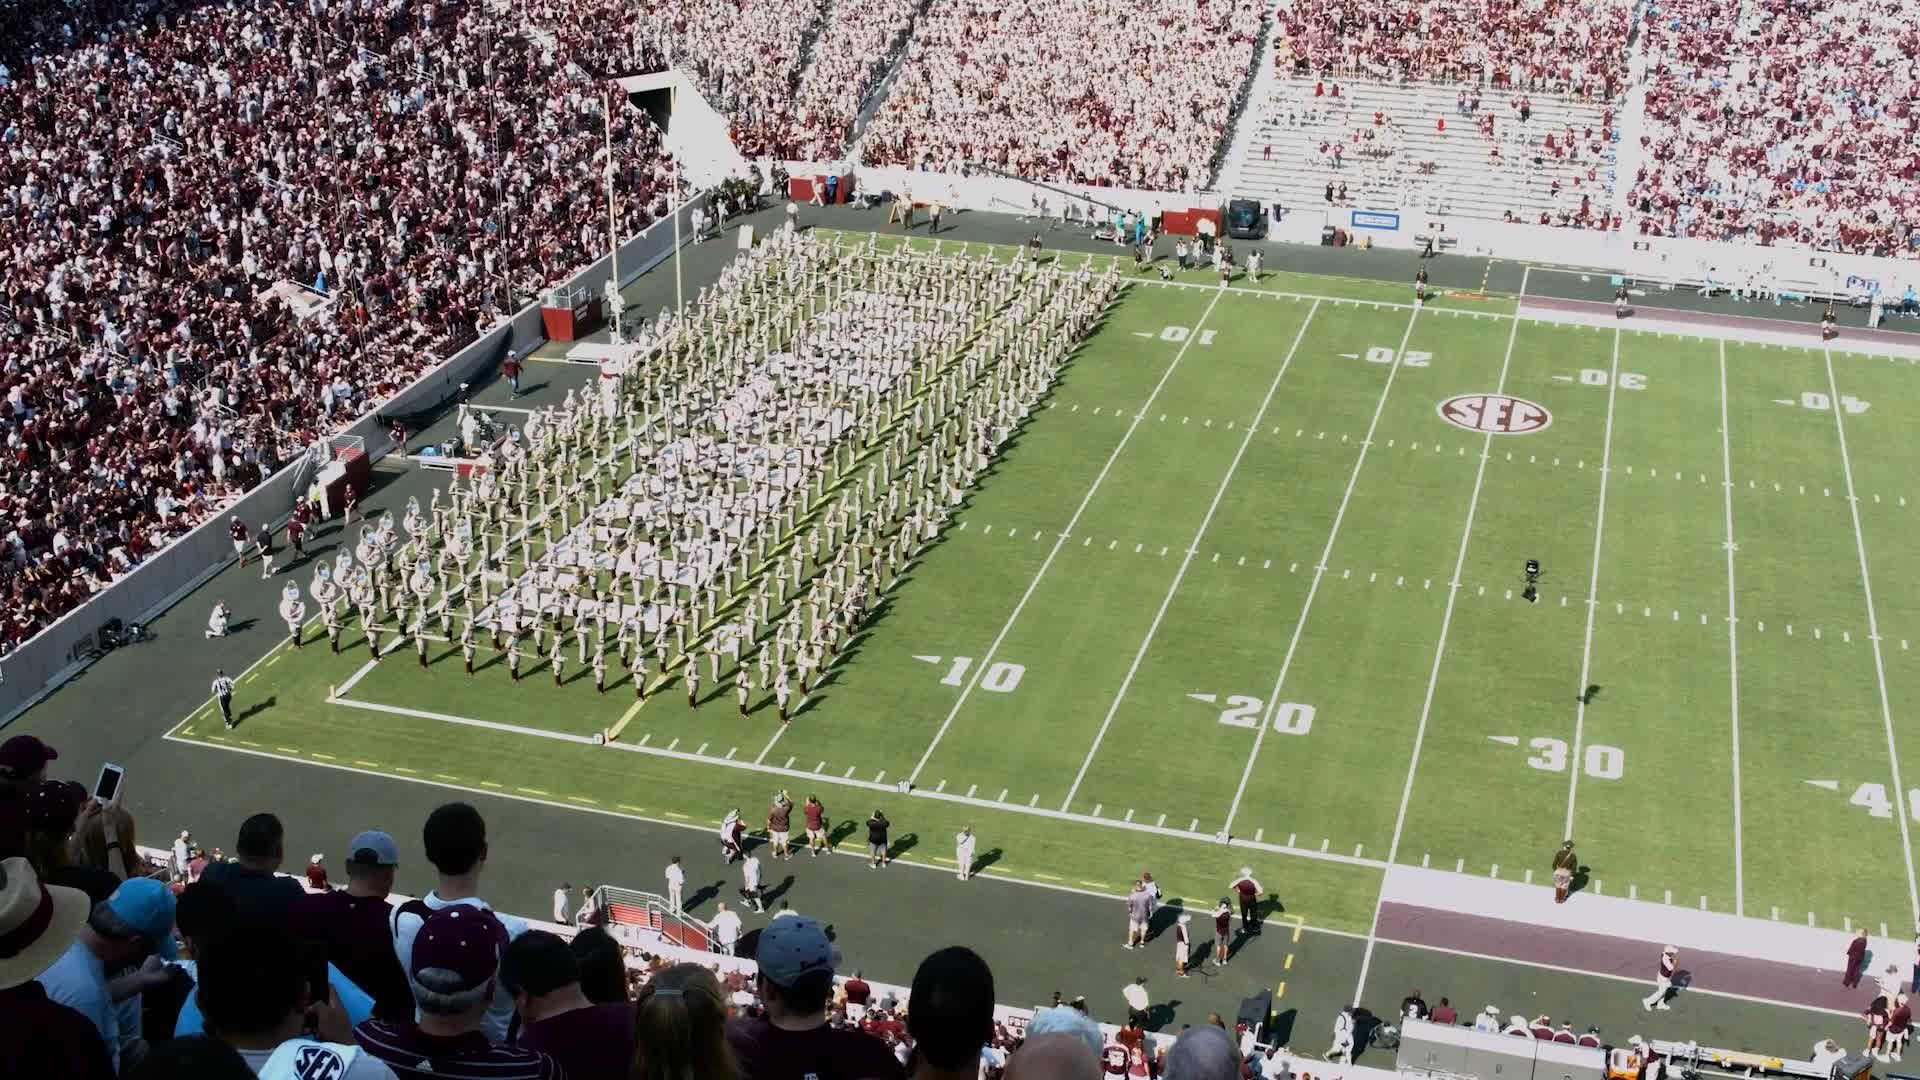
point(1189, 918)
point(316, 860)
point(43, 921)
point(1492, 1010)
point(1670, 950)
point(1246, 871)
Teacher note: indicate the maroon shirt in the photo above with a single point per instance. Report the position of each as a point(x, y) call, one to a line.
point(815, 813)
point(413, 1055)
point(766, 1052)
point(594, 1043)
point(858, 991)
point(1222, 922)
point(354, 933)
point(41, 1037)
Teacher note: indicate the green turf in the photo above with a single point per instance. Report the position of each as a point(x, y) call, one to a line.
point(1239, 513)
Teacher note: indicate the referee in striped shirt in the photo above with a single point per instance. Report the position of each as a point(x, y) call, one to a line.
point(223, 690)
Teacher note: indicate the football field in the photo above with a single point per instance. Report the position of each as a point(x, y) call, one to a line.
point(1249, 589)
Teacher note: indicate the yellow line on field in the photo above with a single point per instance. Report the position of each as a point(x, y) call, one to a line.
point(217, 738)
point(247, 742)
point(404, 769)
point(489, 783)
point(275, 660)
point(682, 817)
point(368, 764)
point(1101, 885)
point(444, 776)
point(942, 858)
point(321, 756)
point(1289, 964)
point(1280, 991)
point(1299, 924)
point(1046, 877)
point(186, 731)
point(530, 791)
point(583, 799)
point(620, 725)
point(635, 809)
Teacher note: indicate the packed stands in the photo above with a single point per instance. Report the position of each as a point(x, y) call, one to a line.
point(1133, 93)
point(1773, 121)
point(173, 173)
point(1538, 158)
point(1573, 47)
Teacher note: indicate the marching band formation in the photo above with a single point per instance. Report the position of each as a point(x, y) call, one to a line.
point(730, 509)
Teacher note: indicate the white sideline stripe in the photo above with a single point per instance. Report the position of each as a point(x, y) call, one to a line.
point(1635, 979)
point(1733, 642)
point(1192, 547)
point(1319, 571)
point(1439, 651)
point(1593, 592)
point(815, 777)
point(986, 659)
point(500, 793)
point(1873, 633)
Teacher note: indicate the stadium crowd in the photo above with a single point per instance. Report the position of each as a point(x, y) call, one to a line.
point(1133, 93)
point(1776, 121)
point(233, 228)
point(1567, 46)
point(195, 966)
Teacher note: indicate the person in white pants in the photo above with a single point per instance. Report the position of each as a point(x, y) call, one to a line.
point(676, 881)
point(1662, 980)
point(963, 852)
point(1342, 1047)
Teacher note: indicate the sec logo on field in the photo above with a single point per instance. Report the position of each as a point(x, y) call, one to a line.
point(1495, 414)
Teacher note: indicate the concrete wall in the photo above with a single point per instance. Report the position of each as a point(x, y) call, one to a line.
point(62, 650)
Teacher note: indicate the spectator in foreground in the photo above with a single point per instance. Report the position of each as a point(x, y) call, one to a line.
point(105, 840)
point(455, 837)
point(1053, 1057)
point(23, 762)
point(952, 1014)
point(350, 925)
point(254, 995)
point(253, 877)
point(194, 1057)
point(131, 929)
point(199, 911)
point(603, 971)
point(40, 1036)
point(52, 811)
point(792, 1041)
point(591, 1042)
point(454, 965)
point(680, 1028)
point(1202, 1053)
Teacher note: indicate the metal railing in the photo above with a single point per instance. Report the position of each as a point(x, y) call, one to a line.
point(651, 912)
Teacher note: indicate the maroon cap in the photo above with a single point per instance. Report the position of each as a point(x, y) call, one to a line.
point(53, 806)
point(463, 939)
point(24, 755)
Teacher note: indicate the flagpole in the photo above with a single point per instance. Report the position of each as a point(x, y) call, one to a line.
point(613, 219)
point(673, 101)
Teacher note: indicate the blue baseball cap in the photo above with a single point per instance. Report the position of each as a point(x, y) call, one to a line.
point(142, 908)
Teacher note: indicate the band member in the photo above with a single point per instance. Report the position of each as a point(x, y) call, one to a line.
point(466, 648)
point(693, 683)
point(1564, 864)
point(556, 658)
point(1827, 329)
point(1420, 286)
point(600, 670)
point(740, 689)
point(513, 659)
point(1620, 302)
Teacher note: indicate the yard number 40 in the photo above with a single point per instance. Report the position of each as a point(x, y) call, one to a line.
point(1874, 798)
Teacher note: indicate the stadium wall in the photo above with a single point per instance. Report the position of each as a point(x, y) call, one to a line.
point(1677, 261)
point(65, 648)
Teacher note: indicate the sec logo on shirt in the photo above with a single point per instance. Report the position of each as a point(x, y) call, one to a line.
point(318, 1063)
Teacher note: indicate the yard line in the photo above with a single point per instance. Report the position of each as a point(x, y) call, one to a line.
point(1733, 640)
point(1593, 592)
point(1319, 571)
point(986, 660)
point(1873, 637)
point(1192, 547)
point(1439, 649)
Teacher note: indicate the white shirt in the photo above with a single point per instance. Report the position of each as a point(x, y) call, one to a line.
point(676, 876)
point(79, 981)
point(407, 927)
point(1136, 996)
point(726, 927)
point(297, 1059)
point(181, 856)
point(963, 846)
point(750, 871)
point(560, 905)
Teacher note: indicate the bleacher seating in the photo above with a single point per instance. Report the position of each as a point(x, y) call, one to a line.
point(1417, 145)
